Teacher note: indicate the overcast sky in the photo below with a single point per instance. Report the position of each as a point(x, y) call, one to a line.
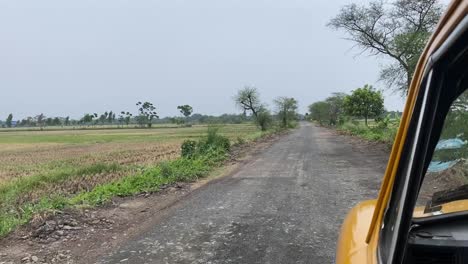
point(70, 57)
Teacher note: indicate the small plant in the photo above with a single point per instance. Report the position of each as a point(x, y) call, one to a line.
point(189, 148)
point(240, 141)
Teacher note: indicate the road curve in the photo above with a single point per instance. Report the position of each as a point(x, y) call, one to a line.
point(284, 207)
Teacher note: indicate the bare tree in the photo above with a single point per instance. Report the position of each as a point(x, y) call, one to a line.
point(248, 99)
point(398, 30)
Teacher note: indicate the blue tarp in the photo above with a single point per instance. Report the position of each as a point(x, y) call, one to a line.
point(452, 143)
point(438, 166)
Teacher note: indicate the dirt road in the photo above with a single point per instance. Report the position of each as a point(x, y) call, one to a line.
point(285, 206)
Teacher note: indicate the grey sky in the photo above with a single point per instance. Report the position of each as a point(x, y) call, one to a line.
point(70, 57)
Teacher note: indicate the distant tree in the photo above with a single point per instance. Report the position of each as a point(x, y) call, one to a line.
point(67, 121)
point(56, 122)
point(49, 121)
point(336, 110)
point(185, 110)
point(286, 110)
point(248, 99)
point(364, 102)
point(95, 118)
point(398, 30)
point(146, 113)
point(264, 118)
point(110, 117)
point(87, 119)
point(103, 118)
point(320, 112)
point(125, 117)
point(40, 120)
point(9, 120)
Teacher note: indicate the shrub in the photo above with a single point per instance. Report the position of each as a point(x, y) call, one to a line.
point(188, 148)
point(211, 143)
point(214, 140)
point(240, 141)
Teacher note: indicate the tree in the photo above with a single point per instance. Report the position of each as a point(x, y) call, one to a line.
point(9, 120)
point(67, 121)
point(248, 99)
point(364, 102)
point(335, 103)
point(127, 117)
point(110, 117)
point(49, 121)
point(56, 122)
point(398, 31)
point(286, 110)
point(264, 118)
point(87, 119)
point(185, 110)
point(40, 120)
point(103, 118)
point(320, 111)
point(146, 113)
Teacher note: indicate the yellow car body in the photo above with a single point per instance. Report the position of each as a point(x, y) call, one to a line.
point(359, 235)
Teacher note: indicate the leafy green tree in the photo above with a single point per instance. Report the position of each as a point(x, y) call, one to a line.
point(67, 121)
point(87, 119)
point(335, 107)
point(146, 113)
point(398, 30)
point(264, 118)
point(286, 110)
point(56, 121)
point(320, 112)
point(185, 110)
point(364, 102)
point(9, 120)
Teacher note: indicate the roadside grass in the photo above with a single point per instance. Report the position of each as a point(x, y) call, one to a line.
point(61, 184)
point(373, 132)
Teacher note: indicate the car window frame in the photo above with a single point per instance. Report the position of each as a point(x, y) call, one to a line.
point(419, 146)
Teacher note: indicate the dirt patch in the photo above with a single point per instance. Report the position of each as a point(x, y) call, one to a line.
point(81, 235)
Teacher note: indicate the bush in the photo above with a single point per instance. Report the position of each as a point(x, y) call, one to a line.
point(240, 141)
point(188, 148)
point(382, 132)
point(213, 142)
point(264, 119)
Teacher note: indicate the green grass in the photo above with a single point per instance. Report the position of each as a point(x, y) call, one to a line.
point(372, 133)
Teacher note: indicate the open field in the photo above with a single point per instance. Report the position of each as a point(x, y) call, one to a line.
point(30, 152)
point(38, 165)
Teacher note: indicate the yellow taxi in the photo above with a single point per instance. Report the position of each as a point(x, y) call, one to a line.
point(421, 212)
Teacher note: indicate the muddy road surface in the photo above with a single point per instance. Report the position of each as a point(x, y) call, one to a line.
point(285, 206)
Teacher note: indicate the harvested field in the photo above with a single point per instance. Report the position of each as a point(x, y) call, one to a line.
point(39, 165)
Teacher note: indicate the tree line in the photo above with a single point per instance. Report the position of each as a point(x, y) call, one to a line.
point(248, 100)
point(365, 102)
point(145, 118)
